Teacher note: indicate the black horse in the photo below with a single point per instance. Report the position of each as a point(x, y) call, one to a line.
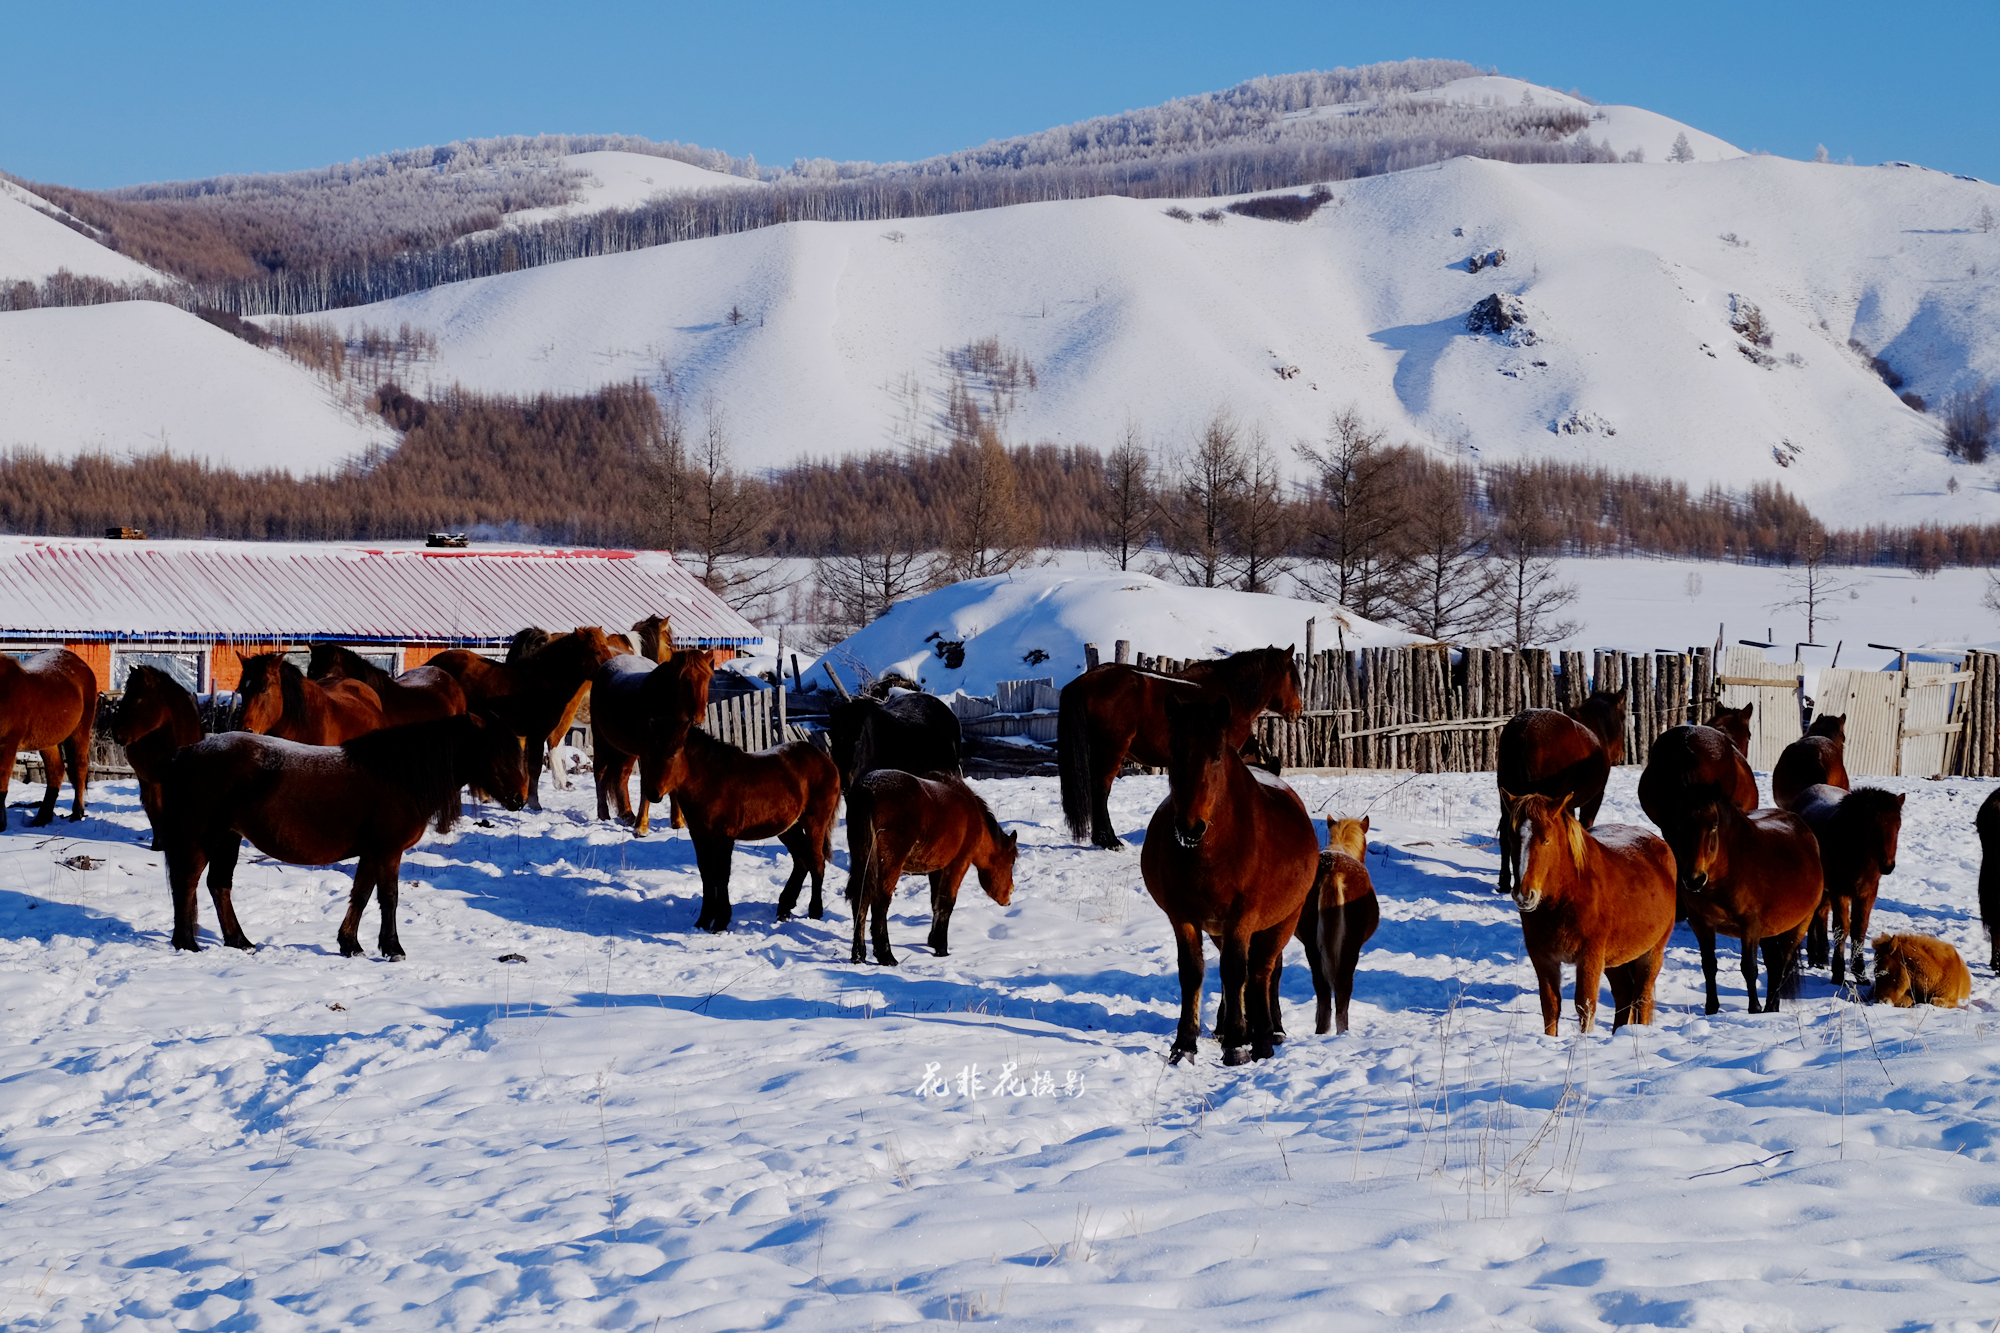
point(916, 733)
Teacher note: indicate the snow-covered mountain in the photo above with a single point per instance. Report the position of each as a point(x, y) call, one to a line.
point(35, 244)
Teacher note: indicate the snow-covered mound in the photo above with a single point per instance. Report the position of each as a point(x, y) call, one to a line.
point(34, 245)
point(140, 377)
point(1003, 622)
point(626, 180)
point(1629, 276)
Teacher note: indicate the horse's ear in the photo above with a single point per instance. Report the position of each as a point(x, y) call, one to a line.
point(1620, 696)
point(1364, 823)
point(1014, 840)
point(1900, 797)
point(1748, 709)
point(1332, 827)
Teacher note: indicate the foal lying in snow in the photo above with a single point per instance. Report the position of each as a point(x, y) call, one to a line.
point(1919, 969)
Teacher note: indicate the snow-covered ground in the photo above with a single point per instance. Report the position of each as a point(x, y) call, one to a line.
point(626, 180)
point(34, 245)
point(143, 378)
point(645, 1127)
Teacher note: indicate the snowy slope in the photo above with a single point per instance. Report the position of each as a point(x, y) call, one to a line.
point(626, 180)
point(1626, 272)
point(644, 1127)
point(34, 245)
point(141, 377)
point(1003, 620)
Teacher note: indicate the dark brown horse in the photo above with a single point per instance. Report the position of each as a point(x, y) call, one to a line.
point(48, 704)
point(421, 694)
point(900, 824)
point(1601, 899)
point(790, 792)
point(1857, 831)
point(1550, 753)
point(155, 718)
point(1114, 711)
point(1230, 854)
point(1756, 877)
point(1735, 724)
point(1340, 917)
point(1987, 824)
point(912, 733)
point(313, 805)
point(279, 701)
point(535, 689)
point(1817, 757)
point(1684, 768)
point(623, 733)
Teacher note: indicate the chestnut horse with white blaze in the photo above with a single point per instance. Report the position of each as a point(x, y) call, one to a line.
point(1230, 854)
point(1601, 899)
point(1551, 753)
point(901, 824)
point(48, 704)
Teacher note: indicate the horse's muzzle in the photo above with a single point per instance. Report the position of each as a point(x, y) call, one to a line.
point(1190, 835)
point(1527, 899)
point(1889, 868)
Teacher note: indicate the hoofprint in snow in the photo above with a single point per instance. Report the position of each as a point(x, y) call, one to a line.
point(643, 1126)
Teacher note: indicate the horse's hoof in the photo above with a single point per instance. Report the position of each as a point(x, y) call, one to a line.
point(348, 950)
point(1262, 1051)
point(244, 943)
point(1278, 1037)
point(886, 959)
point(784, 915)
point(41, 821)
point(1180, 1053)
point(816, 912)
point(395, 957)
point(188, 945)
point(1236, 1055)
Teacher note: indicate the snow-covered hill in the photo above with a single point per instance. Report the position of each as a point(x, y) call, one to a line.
point(625, 180)
point(34, 245)
point(1629, 277)
point(140, 377)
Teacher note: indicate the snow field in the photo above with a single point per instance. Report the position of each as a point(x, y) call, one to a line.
point(643, 1124)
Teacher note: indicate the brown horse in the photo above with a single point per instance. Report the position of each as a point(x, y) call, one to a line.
point(1602, 899)
point(1857, 831)
point(623, 733)
point(1817, 757)
point(1735, 724)
point(421, 694)
point(155, 718)
point(1231, 854)
point(1919, 969)
point(900, 824)
point(536, 689)
point(1756, 877)
point(1340, 917)
point(790, 792)
point(314, 805)
point(1550, 753)
point(1116, 711)
point(1686, 765)
point(279, 701)
point(48, 704)
point(1987, 824)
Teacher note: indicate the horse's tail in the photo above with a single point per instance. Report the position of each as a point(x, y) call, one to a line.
point(860, 844)
point(1073, 759)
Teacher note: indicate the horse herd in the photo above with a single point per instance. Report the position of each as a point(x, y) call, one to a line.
point(344, 760)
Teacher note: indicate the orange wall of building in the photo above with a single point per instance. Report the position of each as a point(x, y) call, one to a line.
point(96, 656)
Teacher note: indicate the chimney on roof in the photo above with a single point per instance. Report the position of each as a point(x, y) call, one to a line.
point(126, 534)
point(446, 539)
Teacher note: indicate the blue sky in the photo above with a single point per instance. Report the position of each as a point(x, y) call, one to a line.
point(119, 93)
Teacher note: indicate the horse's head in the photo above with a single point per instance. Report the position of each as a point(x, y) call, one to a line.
point(1348, 835)
point(1604, 713)
point(526, 643)
point(595, 646)
point(493, 764)
point(1698, 852)
point(997, 877)
point(138, 712)
point(656, 637)
point(1734, 723)
point(1552, 844)
point(272, 689)
point(1288, 697)
point(1199, 752)
point(1832, 726)
point(1880, 816)
point(675, 696)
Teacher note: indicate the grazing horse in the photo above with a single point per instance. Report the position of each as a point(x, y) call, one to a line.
point(1757, 877)
point(1987, 823)
point(1735, 724)
point(279, 701)
point(1817, 757)
point(913, 733)
point(1919, 969)
point(900, 824)
point(1686, 765)
point(48, 703)
point(535, 689)
point(1340, 917)
point(155, 718)
point(313, 805)
point(790, 792)
point(1857, 831)
point(1602, 899)
point(1230, 854)
point(421, 694)
point(1114, 711)
point(1550, 753)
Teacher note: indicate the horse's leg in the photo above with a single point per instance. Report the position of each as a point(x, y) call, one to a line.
point(712, 853)
point(534, 745)
point(149, 801)
point(1108, 759)
point(798, 841)
point(1260, 990)
point(222, 854)
point(652, 773)
point(78, 756)
point(1358, 921)
point(1508, 873)
point(1589, 976)
point(349, 934)
point(1231, 1025)
point(1624, 992)
point(1645, 976)
point(1780, 954)
point(890, 868)
point(1549, 989)
point(1311, 937)
point(1187, 945)
point(1862, 908)
point(186, 859)
point(388, 891)
point(1816, 932)
point(8, 753)
point(52, 765)
point(944, 897)
point(1750, 943)
point(1705, 936)
point(1842, 932)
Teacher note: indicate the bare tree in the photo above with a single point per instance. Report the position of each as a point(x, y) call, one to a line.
point(1128, 512)
point(1208, 486)
point(729, 519)
point(1531, 595)
point(1450, 587)
point(1262, 524)
point(1813, 582)
point(1967, 420)
point(1355, 521)
point(880, 562)
point(990, 530)
point(669, 488)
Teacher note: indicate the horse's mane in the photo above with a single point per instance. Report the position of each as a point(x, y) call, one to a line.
point(1871, 801)
point(525, 644)
point(291, 685)
point(420, 760)
point(1239, 672)
point(360, 668)
point(1828, 725)
point(878, 688)
point(957, 783)
point(548, 654)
